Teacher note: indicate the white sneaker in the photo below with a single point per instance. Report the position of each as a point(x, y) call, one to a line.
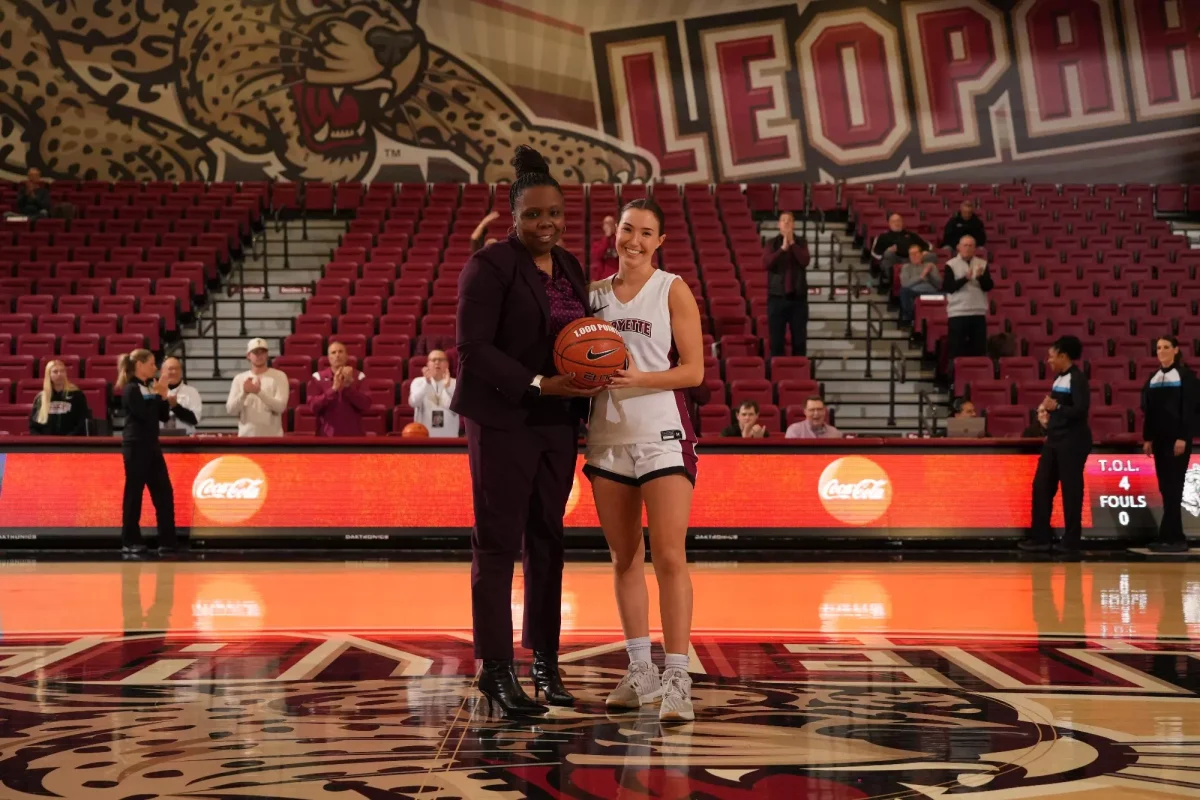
point(676, 696)
point(640, 685)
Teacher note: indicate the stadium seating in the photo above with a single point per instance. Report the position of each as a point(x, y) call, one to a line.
point(1095, 261)
point(125, 272)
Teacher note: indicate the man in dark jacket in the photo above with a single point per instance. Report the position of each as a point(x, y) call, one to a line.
point(786, 258)
point(33, 196)
point(964, 223)
point(891, 247)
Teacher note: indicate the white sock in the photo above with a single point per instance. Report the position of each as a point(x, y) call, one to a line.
point(638, 649)
point(676, 661)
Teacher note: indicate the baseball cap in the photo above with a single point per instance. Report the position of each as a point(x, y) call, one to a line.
point(256, 344)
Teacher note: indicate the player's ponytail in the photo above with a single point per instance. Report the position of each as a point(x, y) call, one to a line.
point(127, 365)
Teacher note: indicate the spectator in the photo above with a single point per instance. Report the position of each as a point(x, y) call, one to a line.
point(964, 223)
point(918, 276)
point(33, 196)
point(336, 397)
point(258, 396)
point(891, 246)
point(966, 282)
point(477, 235)
point(813, 426)
point(1037, 430)
point(966, 410)
point(429, 396)
point(747, 426)
point(604, 251)
point(186, 406)
point(786, 259)
point(60, 409)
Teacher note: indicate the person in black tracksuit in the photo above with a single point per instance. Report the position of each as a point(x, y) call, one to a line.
point(146, 404)
point(1169, 405)
point(1064, 455)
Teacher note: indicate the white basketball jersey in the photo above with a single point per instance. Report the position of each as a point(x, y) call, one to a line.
point(640, 416)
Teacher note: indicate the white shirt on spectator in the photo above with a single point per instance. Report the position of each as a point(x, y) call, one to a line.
point(259, 414)
point(189, 398)
point(431, 402)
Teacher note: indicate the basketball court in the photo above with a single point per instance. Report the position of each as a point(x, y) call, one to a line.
point(817, 680)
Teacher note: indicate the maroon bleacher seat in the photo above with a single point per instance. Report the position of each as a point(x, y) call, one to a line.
point(14, 419)
point(309, 344)
point(985, 393)
point(16, 368)
point(790, 368)
point(38, 345)
point(83, 345)
point(1007, 421)
point(1107, 422)
point(760, 391)
point(296, 366)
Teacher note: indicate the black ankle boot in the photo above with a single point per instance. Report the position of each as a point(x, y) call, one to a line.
point(548, 682)
point(505, 697)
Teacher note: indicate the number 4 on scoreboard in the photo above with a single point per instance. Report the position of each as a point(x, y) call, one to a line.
point(1124, 484)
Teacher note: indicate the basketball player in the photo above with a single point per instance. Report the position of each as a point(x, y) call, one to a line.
point(641, 450)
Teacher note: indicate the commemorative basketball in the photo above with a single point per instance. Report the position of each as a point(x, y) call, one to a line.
point(592, 349)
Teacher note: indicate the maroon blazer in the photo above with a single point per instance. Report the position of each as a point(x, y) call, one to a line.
point(504, 335)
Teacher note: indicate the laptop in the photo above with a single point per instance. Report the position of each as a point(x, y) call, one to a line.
point(966, 428)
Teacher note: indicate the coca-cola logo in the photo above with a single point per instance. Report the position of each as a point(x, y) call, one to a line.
point(229, 490)
point(242, 489)
point(855, 490)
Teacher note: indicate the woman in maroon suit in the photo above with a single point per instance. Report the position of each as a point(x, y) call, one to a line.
point(522, 425)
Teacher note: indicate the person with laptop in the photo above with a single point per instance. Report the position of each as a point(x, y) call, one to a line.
point(966, 423)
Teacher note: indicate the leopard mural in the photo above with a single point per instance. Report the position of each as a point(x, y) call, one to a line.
point(308, 88)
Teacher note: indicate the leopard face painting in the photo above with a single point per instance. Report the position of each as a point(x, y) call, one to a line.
point(165, 89)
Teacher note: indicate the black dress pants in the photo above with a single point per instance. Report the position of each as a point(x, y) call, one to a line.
point(784, 313)
point(1171, 471)
point(521, 480)
point(1061, 462)
point(145, 468)
point(967, 336)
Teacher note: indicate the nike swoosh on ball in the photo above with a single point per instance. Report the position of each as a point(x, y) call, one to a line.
point(592, 355)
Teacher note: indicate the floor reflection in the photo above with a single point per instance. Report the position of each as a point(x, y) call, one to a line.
point(843, 681)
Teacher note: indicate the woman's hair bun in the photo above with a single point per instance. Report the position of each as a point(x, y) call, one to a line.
point(527, 161)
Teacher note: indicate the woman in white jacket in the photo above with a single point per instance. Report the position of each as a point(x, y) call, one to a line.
point(430, 396)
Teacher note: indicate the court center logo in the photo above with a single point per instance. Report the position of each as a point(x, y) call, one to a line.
point(230, 490)
point(855, 490)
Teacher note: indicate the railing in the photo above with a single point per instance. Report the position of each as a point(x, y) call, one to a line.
point(923, 401)
point(897, 373)
point(216, 345)
point(897, 363)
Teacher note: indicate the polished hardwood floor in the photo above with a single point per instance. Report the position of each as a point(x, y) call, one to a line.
point(827, 680)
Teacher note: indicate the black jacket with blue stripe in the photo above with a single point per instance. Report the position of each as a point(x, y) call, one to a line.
point(1170, 401)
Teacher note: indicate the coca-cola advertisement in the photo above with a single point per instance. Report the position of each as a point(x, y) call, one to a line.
point(375, 495)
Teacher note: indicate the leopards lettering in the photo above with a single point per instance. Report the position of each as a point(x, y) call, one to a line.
point(306, 88)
